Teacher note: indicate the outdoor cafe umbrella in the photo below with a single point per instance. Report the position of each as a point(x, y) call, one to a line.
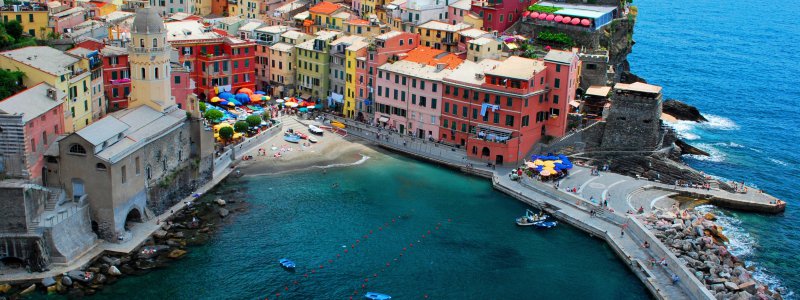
point(225, 95)
point(291, 104)
point(215, 99)
point(261, 92)
point(280, 100)
point(245, 91)
point(544, 173)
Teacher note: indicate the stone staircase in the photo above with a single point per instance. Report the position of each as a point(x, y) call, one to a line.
point(53, 198)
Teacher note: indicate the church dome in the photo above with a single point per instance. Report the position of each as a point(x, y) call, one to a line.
point(147, 20)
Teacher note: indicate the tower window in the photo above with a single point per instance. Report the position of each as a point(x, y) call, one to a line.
point(143, 72)
point(155, 43)
point(156, 73)
point(141, 43)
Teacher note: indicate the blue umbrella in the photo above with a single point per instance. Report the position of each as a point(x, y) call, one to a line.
point(225, 95)
point(237, 103)
point(261, 92)
point(242, 97)
point(223, 102)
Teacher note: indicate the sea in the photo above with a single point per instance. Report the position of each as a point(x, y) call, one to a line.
point(734, 61)
point(392, 225)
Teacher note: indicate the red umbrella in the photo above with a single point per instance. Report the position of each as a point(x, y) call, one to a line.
point(575, 21)
point(586, 22)
point(558, 18)
point(542, 16)
point(566, 20)
point(534, 15)
point(526, 13)
point(550, 17)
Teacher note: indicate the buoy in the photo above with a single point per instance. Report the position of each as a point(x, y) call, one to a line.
point(404, 248)
point(330, 260)
point(358, 241)
point(387, 264)
point(366, 279)
point(380, 228)
point(352, 246)
point(429, 232)
point(375, 275)
point(313, 271)
point(345, 250)
point(370, 232)
point(337, 255)
point(287, 288)
point(363, 286)
point(423, 236)
point(392, 220)
point(277, 294)
point(411, 245)
point(449, 220)
point(320, 266)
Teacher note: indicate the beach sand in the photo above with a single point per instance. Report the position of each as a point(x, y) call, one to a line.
point(331, 150)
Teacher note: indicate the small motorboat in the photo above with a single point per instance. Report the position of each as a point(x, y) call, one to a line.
point(287, 264)
point(337, 124)
point(530, 218)
point(301, 135)
point(377, 296)
point(545, 224)
point(291, 138)
point(315, 130)
point(312, 140)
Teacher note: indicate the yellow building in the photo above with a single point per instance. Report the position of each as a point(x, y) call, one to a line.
point(66, 72)
point(440, 35)
point(34, 20)
point(327, 15)
point(352, 53)
point(364, 28)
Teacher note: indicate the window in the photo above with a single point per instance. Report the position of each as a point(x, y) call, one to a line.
point(558, 68)
point(414, 99)
point(124, 176)
point(463, 127)
point(433, 103)
point(464, 111)
point(422, 101)
point(177, 79)
point(30, 17)
point(100, 167)
point(413, 82)
point(509, 120)
point(143, 74)
point(496, 118)
point(445, 123)
point(156, 73)
point(138, 166)
point(525, 121)
point(141, 43)
point(555, 99)
point(44, 138)
point(455, 109)
point(155, 43)
point(447, 107)
point(557, 84)
point(510, 102)
point(33, 145)
point(434, 87)
point(475, 113)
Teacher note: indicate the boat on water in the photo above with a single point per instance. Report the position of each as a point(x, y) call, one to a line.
point(545, 224)
point(315, 130)
point(377, 296)
point(531, 218)
point(287, 264)
point(312, 140)
point(337, 124)
point(291, 138)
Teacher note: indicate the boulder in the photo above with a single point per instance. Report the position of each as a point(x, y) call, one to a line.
point(682, 111)
point(28, 290)
point(48, 281)
point(177, 253)
point(66, 281)
point(100, 279)
point(80, 276)
point(223, 212)
point(112, 261)
point(4, 288)
point(731, 286)
point(160, 234)
point(113, 271)
point(743, 296)
point(220, 202)
point(749, 287)
point(179, 234)
point(718, 287)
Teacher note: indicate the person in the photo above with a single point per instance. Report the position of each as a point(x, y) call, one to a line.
point(675, 279)
point(646, 245)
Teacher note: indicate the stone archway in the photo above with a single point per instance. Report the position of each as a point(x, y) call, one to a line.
point(134, 216)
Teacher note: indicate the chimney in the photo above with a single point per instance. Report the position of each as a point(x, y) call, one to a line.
point(51, 93)
point(440, 66)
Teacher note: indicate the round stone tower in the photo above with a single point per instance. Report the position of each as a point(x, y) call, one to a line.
point(148, 55)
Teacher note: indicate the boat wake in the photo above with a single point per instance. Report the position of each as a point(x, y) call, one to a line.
point(778, 162)
point(742, 245)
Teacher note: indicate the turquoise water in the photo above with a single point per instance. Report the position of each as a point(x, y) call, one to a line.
point(477, 252)
point(735, 61)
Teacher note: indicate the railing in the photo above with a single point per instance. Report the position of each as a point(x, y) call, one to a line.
point(145, 50)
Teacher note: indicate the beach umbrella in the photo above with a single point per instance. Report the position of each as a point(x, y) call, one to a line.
point(215, 99)
point(245, 91)
point(280, 100)
point(534, 15)
point(268, 98)
point(526, 13)
point(575, 21)
point(538, 162)
point(291, 104)
point(231, 104)
point(241, 97)
point(586, 22)
point(303, 109)
point(550, 17)
point(261, 92)
point(558, 18)
point(237, 103)
point(530, 165)
point(225, 95)
point(542, 16)
point(566, 20)
point(256, 97)
point(311, 106)
point(223, 102)
point(544, 173)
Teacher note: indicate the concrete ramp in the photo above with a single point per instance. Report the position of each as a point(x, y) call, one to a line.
point(71, 237)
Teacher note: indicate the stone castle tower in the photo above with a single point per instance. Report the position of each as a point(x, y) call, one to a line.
point(634, 122)
point(149, 61)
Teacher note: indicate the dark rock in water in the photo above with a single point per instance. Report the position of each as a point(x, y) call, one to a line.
point(114, 271)
point(81, 276)
point(682, 111)
point(689, 149)
point(66, 281)
point(223, 212)
point(48, 281)
point(628, 77)
point(128, 270)
point(100, 279)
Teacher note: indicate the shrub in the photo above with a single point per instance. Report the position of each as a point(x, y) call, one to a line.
point(240, 126)
point(559, 38)
point(544, 9)
point(253, 121)
point(202, 106)
point(213, 115)
point(226, 133)
point(14, 29)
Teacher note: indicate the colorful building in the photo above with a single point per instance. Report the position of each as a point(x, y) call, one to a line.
point(313, 65)
point(283, 59)
point(116, 77)
point(385, 47)
point(168, 7)
point(98, 99)
point(182, 87)
point(67, 73)
point(31, 120)
point(409, 91)
point(498, 110)
point(355, 64)
point(483, 48)
point(265, 37)
point(327, 15)
point(457, 10)
point(364, 28)
point(34, 19)
point(214, 60)
point(498, 14)
point(440, 35)
point(64, 21)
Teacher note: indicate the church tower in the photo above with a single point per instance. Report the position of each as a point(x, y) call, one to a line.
point(148, 54)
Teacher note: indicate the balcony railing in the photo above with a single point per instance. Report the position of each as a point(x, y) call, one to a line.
point(145, 50)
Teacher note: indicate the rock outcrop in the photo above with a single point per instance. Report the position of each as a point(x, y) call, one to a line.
point(682, 111)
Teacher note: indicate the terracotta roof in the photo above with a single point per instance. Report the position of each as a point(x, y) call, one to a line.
point(358, 22)
point(430, 56)
point(325, 8)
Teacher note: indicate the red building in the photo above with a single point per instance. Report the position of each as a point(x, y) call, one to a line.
point(499, 110)
point(498, 14)
point(116, 77)
point(214, 59)
point(387, 46)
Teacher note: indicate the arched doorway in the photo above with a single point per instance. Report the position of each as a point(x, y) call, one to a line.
point(96, 228)
point(485, 151)
point(134, 216)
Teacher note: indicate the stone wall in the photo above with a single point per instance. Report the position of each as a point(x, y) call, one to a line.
point(181, 183)
point(633, 122)
point(31, 249)
point(12, 210)
point(71, 237)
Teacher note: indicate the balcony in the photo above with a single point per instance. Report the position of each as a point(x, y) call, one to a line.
point(145, 50)
point(449, 41)
point(212, 57)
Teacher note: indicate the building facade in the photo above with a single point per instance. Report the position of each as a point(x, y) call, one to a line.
point(313, 65)
point(116, 77)
point(34, 19)
point(499, 15)
point(385, 47)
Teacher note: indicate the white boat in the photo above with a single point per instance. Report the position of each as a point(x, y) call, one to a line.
point(312, 140)
point(314, 129)
point(531, 218)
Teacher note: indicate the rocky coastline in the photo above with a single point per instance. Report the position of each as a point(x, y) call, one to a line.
point(192, 226)
point(699, 242)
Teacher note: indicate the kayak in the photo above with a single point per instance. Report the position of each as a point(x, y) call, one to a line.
point(337, 124)
point(377, 296)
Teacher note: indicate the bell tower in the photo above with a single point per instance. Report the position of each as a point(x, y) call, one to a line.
point(148, 54)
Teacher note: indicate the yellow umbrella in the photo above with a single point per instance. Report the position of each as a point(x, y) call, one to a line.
point(269, 98)
point(530, 165)
point(215, 99)
point(549, 164)
point(544, 173)
point(558, 161)
point(237, 135)
point(538, 162)
point(231, 104)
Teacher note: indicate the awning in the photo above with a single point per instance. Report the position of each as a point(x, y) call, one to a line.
point(339, 98)
point(305, 96)
point(367, 102)
point(512, 46)
point(574, 103)
point(383, 119)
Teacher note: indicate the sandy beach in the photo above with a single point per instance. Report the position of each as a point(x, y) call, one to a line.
point(331, 150)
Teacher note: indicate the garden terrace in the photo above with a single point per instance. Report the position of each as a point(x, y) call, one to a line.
point(560, 15)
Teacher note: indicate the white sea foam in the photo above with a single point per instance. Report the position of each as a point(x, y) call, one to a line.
point(718, 122)
point(363, 159)
point(684, 129)
point(778, 162)
point(715, 155)
point(729, 145)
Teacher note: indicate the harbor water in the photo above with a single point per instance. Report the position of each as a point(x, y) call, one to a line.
point(727, 59)
point(348, 226)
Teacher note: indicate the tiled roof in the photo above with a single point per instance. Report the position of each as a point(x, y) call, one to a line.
point(430, 56)
point(44, 58)
point(324, 8)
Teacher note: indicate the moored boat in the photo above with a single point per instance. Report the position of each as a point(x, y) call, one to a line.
point(291, 138)
point(312, 139)
point(287, 264)
point(337, 124)
point(301, 135)
point(377, 296)
point(315, 130)
point(545, 224)
point(531, 218)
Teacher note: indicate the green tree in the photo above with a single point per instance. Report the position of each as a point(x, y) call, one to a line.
point(240, 126)
point(253, 120)
point(202, 106)
point(10, 83)
point(14, 29)
point(226, 133)
point(213, 115)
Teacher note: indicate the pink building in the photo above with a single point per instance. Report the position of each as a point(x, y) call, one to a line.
point(563, 73)
point(385, 46)
point(182, 86)
point(457, 10)
point(498, 14)
point(409, 91)
point(30, 122)
point(68, 18)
